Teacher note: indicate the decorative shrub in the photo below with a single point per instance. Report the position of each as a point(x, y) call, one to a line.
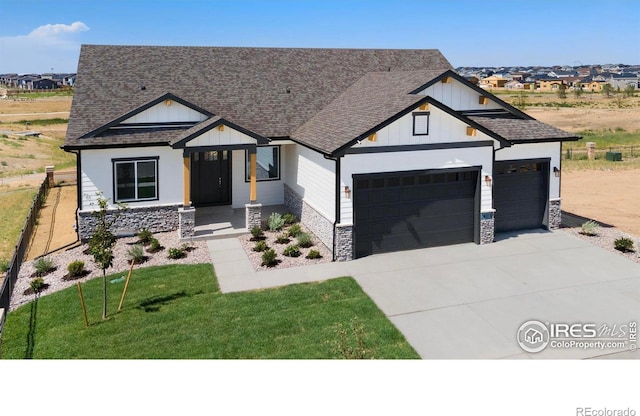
point(257, 233)
point(590, 228)
point(37, 284)
point(305, 240)
point(176, 253)
point(187, 247)
point(623, 244)
point(294, 230)
point(291, 251)
point(289, 218)
point(313, 254)
point(4, 265)
point(260, 246)
point(154, 246)
point(282, 239)
point(43, 266)
point(76, 268)
point(136, 253)
point(276, 222)
point(269, 258)
point(145, 236)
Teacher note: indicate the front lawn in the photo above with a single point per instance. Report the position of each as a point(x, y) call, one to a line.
point(177, 311)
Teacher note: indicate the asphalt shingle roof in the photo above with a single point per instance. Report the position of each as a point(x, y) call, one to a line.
point(519, 130)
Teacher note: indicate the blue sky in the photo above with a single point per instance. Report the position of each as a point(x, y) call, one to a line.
point(38, 35)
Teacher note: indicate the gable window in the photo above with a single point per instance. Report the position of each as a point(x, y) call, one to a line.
point(421, 123)
point(267, 163)
point(135, 179)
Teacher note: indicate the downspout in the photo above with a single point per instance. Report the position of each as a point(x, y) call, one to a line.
point(337, 202)
point(78, 190)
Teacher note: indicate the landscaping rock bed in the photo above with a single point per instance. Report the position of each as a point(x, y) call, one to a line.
point(605, 237)
point(197, 252)
point(283, 261)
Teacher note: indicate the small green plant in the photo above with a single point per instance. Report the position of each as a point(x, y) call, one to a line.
point(282, 239)
point(291, 250)
point(37, 284)
point(176, 253)
point(590, 228)
point(76, 268)
point(295, 230)
point(256, 233)
point(43, 265)
point(136, 253)
point(623, 244)
point(4, 265)
point(4, 163)
point(145, 236)
point(187, 247)
point(269, 258)
point(314, 254)
point(289, 218)
point(260, 246)
point(305, 240)
point(276, 222)
point(154, 245)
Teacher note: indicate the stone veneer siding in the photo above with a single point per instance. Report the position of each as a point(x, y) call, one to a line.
point(555, 215)
point(344, 242)
point(187, 222)
point(487, 227)
point(316, 222)
point(253, 215)
point(155, 219)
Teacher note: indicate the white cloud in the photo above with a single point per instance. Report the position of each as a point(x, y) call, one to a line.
point(58, 29)
point(51, 46)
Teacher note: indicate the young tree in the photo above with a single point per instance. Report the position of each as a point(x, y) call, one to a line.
point(102, 241)
point(607, 89)
point(577, 90)
point(562, 91)
point(629, 90)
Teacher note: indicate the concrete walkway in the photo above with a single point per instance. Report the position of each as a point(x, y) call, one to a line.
point(468, 301)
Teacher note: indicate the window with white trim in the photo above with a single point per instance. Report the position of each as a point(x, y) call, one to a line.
point(135, 179)
point(267, 163)
point(421, 123)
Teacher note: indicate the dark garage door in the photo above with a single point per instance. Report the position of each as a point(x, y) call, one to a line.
point(409, 210)
point(520, 194)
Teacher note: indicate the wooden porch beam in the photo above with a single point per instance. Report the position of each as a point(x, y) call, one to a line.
point(186, 180)
point(253, 173)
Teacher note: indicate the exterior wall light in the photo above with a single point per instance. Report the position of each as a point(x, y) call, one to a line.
point(347, 192)
point(487, 180)
point(556, 172)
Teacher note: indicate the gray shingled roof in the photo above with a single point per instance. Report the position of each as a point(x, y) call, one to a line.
point(372, 100)
point(518, 130)
point(269, 91)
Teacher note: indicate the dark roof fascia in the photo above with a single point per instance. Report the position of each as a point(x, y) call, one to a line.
point(68, 148)
point(182, 143)
point(548, 140)
point(167, 96)
point(461, 79)
point(340, 151)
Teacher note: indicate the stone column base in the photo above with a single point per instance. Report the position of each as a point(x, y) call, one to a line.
point(555, 214)
point(186, 222)
point(487, 227)
point(344, 242)
point(253, 215)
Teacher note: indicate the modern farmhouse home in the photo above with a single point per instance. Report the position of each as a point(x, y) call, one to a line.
point(374, 150)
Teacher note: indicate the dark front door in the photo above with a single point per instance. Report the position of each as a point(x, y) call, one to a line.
point(409, 210)
point(520, 194)
point(210, 177)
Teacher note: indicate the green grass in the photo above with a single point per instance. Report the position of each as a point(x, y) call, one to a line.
point(175, 312)
point(42, 122)
point(42, 94)
point(605, 138)
point(14, 207)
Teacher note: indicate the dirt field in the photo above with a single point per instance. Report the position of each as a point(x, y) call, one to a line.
point(11, 110)
point(580, 119)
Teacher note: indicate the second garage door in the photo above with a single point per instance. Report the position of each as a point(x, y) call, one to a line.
point(408, 210)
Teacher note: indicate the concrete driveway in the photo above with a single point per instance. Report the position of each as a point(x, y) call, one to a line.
point(468, 301)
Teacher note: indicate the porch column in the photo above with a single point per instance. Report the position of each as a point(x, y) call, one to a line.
point(186, 180)
point(253, 210)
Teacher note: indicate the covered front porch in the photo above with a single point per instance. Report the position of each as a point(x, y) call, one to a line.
point(224, 221)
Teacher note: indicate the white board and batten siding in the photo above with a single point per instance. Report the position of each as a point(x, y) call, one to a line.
point(443, 128)
point(352, 164)
point(536, 151)
point(269, 192)
point(458, 96)
point(97, 175)
point(163, 113)
point(221, 137)
point(312, 177)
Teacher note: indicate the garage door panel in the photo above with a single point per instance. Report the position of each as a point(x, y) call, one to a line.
point(414, 210)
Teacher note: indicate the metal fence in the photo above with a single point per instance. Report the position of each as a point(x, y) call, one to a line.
point(631, 151)
point(11, 276)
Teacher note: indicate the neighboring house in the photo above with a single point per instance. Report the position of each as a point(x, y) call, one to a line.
point(374, 150)
point(551, 84)
point(44, 84)
point(493, 82)
point(514, 85)
point(622, 81)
